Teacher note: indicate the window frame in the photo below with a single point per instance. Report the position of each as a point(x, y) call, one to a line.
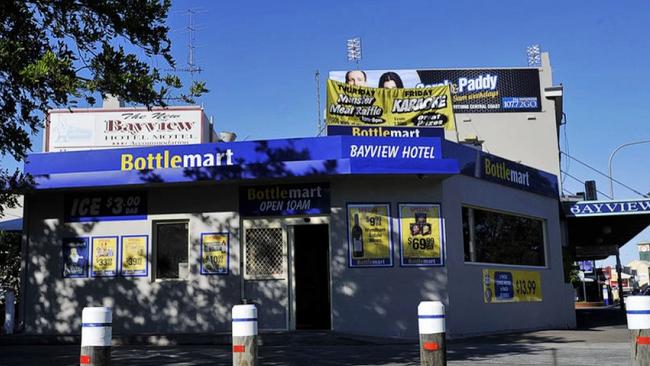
point(544, 222)
point(154, 249)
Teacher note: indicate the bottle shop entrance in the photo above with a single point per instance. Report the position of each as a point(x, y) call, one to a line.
point(311, 266)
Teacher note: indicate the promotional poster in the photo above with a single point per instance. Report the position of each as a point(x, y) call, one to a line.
point(511, 286)
point(134, 255)
point(472, 90)
point(214, 253)
point(104, 251)
point(365, 106)
point(369, 235)
point(75, 257)
point(421, 235)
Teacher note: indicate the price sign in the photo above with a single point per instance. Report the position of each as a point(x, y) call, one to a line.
point(105, 206)
point(369, 235)
point(214, 253)
point(511, 286)
point(135, 250)
point(421, 235)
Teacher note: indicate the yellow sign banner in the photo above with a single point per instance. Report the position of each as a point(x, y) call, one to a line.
point(369, 235)
point(214, 253)
point(421, 235)
point(501, 285)
point(415, 107)
point(104, 256)
point(134, 255)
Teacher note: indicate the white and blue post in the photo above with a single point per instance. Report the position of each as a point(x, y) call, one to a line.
point(244, 335)
point(96, 334)
point(10, 298)
point(431, 325)
point(638, 321)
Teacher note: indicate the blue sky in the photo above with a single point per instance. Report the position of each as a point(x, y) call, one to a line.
point(259, 60)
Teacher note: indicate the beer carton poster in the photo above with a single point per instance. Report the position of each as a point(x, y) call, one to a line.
point(135, 250)
point(75, 257)
point(369, 235)
point(421, 235)
point(500, 285)
point(104, 258)
point(352, 105)
point(214, 253)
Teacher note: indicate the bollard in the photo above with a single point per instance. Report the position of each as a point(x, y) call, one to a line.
point(431, 324)
point(10, 297)
point(244, 335)
point(605, 295)
point(96, 334)
point(638, 321)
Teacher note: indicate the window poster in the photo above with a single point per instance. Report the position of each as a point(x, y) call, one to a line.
point(104, 258)
point(369, 235)
point(135, 250)
point(214, 253)
point(421, 235)
point(500, 285)
point(75, 257)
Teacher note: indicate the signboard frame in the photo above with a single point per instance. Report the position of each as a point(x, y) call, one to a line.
point(86, 246)
point(389, 259)
point(106, 273)
point(520, 283)
point(146, 257)
point(226, 271)
point(441, 234)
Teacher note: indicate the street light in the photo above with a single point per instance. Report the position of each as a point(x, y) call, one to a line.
point(611, 184)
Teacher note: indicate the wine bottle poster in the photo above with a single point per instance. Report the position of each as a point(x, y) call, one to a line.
point(421, 235)
point(369, 235)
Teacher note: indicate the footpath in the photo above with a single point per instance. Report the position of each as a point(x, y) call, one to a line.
point(601, 338)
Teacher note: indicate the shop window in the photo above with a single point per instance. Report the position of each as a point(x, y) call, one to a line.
point(265, 253)
point(494, 237)
point(171, 250)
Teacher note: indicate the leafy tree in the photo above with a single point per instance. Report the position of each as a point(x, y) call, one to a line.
point(55, 53)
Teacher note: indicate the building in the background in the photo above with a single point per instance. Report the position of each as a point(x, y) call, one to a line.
point(644, 251)
point(642, 268)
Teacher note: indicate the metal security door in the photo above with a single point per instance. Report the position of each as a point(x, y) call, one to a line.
point(265, 271)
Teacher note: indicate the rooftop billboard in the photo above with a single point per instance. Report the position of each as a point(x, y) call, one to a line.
point(472, 90)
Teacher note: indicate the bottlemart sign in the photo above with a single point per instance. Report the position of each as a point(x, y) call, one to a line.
point(285, 199)
point(369, 239)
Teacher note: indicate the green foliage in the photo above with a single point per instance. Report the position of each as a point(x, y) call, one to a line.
point(10, 259)
point(571, 270)
point(55, 53)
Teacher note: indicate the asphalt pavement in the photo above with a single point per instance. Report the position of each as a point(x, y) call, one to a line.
point(600, 339)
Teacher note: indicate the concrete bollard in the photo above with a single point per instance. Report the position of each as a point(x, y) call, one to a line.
point(638, 321)
point(431, 324)
point(244, 335)
point(96, 334)
point(10, 298)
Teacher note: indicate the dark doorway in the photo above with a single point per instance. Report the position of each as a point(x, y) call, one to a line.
point(311, 262)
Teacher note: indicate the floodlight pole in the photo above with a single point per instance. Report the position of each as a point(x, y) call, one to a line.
point(611, 181)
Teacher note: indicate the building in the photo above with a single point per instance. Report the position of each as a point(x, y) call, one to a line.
point(347, 233)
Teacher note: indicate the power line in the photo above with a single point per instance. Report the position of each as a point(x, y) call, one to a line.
point(571, 176)
point(603, 174)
